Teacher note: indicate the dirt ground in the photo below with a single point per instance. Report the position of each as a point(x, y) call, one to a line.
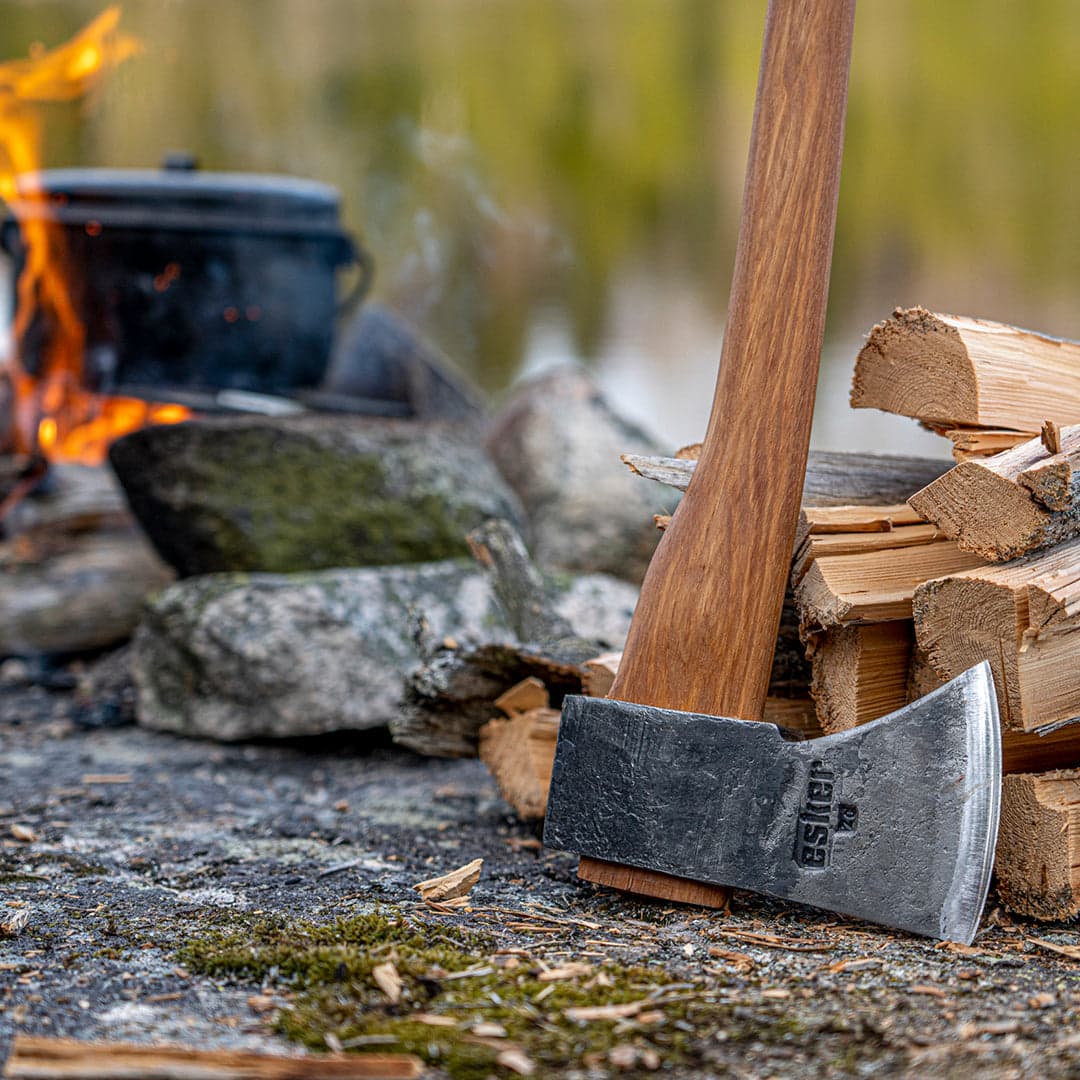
point(121, 848)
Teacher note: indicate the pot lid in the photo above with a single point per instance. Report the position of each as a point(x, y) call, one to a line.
point(180, 196)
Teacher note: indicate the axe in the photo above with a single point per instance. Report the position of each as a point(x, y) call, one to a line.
point(656, 789)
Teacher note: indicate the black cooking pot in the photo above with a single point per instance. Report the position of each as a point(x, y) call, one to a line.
point(192, 280)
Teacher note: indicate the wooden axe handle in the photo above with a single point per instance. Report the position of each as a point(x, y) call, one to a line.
point(703, 635)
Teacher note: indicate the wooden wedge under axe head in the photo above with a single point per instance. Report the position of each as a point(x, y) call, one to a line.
point(640, 792)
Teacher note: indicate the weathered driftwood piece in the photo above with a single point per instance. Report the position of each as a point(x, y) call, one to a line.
point(454, 694)
point(1038, 849)
point(953, 370)
point(519, 586)
point(875, 586)
point(832, 479)
point(36, 1058)
point(986, 508)
point(860, 672)
point(1024, 617)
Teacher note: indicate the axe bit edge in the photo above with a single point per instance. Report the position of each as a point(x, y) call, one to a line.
point(894, 821)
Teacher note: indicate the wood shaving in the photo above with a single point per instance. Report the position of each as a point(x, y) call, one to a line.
point(516, 1061)
point(388, 981)
point(23, 833)
point(452, 886)
point(14, 923)
point(567, 971)
point(606, 1012)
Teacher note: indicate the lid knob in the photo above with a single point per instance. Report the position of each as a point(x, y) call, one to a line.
point(179, 161)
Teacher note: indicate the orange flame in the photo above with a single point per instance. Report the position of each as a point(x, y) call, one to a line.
point(53, 410)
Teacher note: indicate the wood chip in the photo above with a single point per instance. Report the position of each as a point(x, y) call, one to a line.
point(567, 971)
point(528, 694)
point(488, 1030)
point(388, 981)
point(434, 1020)
point(860, 963)
point(451, 886)
point(927, 989)
point(516, 1061)
point(106, 778)
point(606, 1012)
point(14, 923)
point(771, 941)
point(1071, 951)
point(23, 833)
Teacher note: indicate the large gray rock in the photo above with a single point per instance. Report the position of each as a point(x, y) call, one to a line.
point(558, 444)
point(307, 492)
point(74, 569)
point(235, 656)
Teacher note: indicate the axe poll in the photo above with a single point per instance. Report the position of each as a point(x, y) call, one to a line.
point(656, 789)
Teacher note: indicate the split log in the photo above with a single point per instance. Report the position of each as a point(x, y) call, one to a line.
point(832, 479)
point(875, 586)
point(986, 506)
point(952, 370)
point(825, 546)
point(519, 752)
point(827, 520)
point(1024, 617)
point(860, 673)
point(980, 442)
point(1038, 848)
point(68, 1059)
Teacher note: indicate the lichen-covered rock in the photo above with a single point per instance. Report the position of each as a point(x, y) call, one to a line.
point(558, 444)
point(309, 492)
point(234, 656)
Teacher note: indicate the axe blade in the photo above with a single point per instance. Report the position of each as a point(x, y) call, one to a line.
point(894, 821)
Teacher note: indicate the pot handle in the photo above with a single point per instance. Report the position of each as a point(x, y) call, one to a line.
point(359, 289)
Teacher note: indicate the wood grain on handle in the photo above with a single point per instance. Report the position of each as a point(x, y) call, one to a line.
point(703, 635)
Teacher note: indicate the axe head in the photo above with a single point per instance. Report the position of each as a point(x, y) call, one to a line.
point(894, 821)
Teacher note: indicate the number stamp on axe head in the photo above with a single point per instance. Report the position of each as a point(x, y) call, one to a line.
point(655, 788)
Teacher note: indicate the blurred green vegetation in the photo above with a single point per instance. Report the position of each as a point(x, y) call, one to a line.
point(514, 160)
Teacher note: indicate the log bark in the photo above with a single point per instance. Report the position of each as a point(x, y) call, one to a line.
point(1038, 849)
point(986, 506)
point(1024, 617)
point(832, 479)
point(68, 1059)
point(953, 370)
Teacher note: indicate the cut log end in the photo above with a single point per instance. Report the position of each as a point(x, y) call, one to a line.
point(1038, 851)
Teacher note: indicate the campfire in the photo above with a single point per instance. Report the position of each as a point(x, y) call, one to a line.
point(55, 414)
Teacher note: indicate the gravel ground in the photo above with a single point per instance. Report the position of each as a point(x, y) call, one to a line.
point(118, 845)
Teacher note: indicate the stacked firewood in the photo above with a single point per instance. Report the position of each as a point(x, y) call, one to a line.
point(994, 575)
point(905, 575)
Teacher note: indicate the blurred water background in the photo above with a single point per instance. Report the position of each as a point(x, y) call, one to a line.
point(544, 180)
